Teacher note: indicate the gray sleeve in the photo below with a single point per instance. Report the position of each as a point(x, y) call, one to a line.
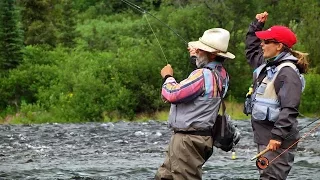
point(288, 88)
point(253, 50)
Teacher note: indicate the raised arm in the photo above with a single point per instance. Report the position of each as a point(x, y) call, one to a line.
point(253, 50)
point(186, 90)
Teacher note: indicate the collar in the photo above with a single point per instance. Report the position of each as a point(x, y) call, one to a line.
point(213, 65)
point(276, 59)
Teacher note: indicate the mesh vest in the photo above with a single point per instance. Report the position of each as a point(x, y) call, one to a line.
point(199, 114)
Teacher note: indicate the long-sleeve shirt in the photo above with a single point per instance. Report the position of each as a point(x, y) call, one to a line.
point(193, 86)
point(184, 91)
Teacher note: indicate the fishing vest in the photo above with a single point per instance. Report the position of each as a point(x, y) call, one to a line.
point(264, 101)
point(199, 114)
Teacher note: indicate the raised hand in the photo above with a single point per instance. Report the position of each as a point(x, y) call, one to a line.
point(192, 51)
point(166, 70)
point(262, 17)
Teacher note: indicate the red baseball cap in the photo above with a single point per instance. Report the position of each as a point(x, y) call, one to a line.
point(279, 33)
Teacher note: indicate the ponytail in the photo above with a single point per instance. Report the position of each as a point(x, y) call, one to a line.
point(303, 60)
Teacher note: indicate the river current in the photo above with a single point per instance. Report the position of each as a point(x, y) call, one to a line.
point(127, 151)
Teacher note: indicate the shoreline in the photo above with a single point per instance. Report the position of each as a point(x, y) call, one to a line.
point(233, 109)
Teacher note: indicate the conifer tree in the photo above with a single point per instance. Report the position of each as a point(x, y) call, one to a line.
point(11, 39)
point(68, 25)
point(38, 22)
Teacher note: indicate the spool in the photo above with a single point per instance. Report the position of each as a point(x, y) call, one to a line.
point(262, 163)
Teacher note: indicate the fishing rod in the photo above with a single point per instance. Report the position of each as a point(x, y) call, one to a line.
point(143, 11)
point(263, 162)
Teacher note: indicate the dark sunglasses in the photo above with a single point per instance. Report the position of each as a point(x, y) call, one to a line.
point(268, 41)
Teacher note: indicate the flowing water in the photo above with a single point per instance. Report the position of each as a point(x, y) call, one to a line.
point(127, 150)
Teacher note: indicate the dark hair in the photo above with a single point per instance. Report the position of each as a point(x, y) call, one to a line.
point(220, 59)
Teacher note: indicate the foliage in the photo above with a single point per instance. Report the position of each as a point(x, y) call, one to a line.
point(38, 22)
point(67, 27)
point(97, 60)
point(11, 39)
point(22, 83)
point(310, 101)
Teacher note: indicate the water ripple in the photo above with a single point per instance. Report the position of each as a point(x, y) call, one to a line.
point(125, 150)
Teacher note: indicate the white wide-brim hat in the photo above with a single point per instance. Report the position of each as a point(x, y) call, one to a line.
point(214, 40)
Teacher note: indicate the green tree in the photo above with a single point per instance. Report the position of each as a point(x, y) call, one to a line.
point(67, 28)
point(38, 22)
point(11, 39)
point(308, 40)
point(83, 5)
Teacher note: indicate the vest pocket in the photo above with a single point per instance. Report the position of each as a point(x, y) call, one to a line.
point(259, 112)
point(261, 89)
point(262, 112)
point(273, 114)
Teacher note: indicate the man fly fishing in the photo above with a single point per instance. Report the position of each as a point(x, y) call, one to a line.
point(195, 103)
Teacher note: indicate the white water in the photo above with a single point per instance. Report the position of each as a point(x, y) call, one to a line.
point(116, 151)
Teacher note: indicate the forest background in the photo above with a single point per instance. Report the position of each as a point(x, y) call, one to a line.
point(98, 60)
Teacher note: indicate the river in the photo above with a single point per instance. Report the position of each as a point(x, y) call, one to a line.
point(127, 150)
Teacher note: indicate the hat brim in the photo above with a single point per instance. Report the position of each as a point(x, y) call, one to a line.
point(200, 45)
point(264, 35)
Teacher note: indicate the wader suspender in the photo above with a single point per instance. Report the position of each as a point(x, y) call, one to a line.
point(218, 77)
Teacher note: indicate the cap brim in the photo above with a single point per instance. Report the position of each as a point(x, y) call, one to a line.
point(199, 45)
point(264, 35)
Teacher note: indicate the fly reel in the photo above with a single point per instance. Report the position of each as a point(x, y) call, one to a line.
point(262, 162)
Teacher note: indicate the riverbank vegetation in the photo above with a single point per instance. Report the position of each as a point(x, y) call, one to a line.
point(95, 60)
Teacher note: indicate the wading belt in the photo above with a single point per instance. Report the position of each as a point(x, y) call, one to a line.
point(198, 133)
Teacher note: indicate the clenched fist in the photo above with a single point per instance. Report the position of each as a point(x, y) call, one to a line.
point(192, 51)
point(166, 70)
point(274, 145)
point(262, 17)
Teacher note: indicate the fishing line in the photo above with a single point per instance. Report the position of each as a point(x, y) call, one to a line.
point(138, 8)
point(132, 5)
point(157, 40)
point(305, 135)
point(263, 162)
point(145, 16)
point(146, 12)
point(303, 127)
